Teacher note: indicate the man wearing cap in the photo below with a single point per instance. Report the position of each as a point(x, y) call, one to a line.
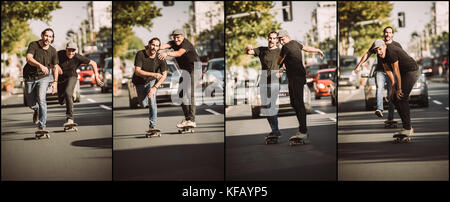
point(291, 56)
point(380, 75)
point(146, 77)
point(185, 55)
point(269, 87)
point(403, 72)
point(69, 60)
point(42, 61)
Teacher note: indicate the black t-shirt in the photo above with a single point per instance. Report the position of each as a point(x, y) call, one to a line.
point(45, 57)
point(292, 53)
point(405, 62)
point(147, 64)
point(186, 61)
point(379, 65)
point(69, 66)
point(269, 59)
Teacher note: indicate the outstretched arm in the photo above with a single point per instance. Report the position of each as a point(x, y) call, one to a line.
point(363, 59)
point(312, 50)
point(98, 81)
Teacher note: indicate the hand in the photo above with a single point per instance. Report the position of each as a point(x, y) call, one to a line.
point(162, 56)
point(321, 53)
point(399, 94)
point(44, 69)
point(356, 70)
point(54, 87)
point(279, 74)
point(151, 93)
point(157, 75)
point(99, 82)
point(58, 68)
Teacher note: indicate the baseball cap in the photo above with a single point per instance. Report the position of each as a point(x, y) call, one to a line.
point(71, 45)
point(282, 33)
point(378, 43)
point(177, 32)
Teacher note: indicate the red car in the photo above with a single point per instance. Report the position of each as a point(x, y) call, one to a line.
point(86, 74)
point(322, 82)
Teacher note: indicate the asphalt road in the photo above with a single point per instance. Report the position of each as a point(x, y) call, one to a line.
point(173, 156)
point(82, 155)
point(366, 150)
point(249, 158)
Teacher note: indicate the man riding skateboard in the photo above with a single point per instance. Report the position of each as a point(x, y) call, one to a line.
point(42, 61)
point(185, 55)
point(269, 84)
point(291, 56)
point(380, 75)
point(69, 60)
point(403, 72)
point(147, 79)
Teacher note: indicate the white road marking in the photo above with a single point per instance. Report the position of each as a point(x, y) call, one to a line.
point(213, 112)
point(446, 108)
point(437, 102)
point(319, 112)
point(105, 107)
point(90, 100)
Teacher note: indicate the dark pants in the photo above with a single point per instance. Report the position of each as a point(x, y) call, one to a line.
point(402, 105)
point(296, 85)
point(66, 86)
point(188, 106)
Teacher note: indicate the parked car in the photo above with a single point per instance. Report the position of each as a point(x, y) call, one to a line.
point(168, 88)
point(333, 88)
point(86, 74)
point(284, 102)
point(98, 57)
point(322, 83)
point(107, 75)
point(215, 73)
point(348, 77)
point(418, 95)
point(427, 65)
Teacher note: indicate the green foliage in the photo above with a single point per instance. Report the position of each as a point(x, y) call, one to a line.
point(352, 12)
point(136, 44)
point(243, 31)
point(15, 14)
point(128, 14)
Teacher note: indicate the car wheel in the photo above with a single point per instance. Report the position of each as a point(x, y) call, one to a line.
point(425, 102)
point(132, 95)
point(333, 101)
point(255, 112)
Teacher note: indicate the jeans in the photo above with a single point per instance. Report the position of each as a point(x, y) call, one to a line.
point(402, 105)
point(380, 80)
point(296, 85)
point(142, 91)
point(66, 86)
point(269, 108)
point(35, 94)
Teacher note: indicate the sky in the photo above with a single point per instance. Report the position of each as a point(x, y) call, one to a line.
point(173, 17)
point(68, 17)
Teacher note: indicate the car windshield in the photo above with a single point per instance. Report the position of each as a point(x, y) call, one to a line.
point(427, 62)
point(326, 75)
point(217, 65)
point(348, 63)
point(85, 67)
point(313, 69)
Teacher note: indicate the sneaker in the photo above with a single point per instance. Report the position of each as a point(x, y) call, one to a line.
point(191, 123)
point(69, 121)
point(277, 133)
point(406, 132)
point(182, 124)
point(379, 113)
point(36, 117)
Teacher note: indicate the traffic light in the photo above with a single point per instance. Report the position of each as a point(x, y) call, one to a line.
point(287, 12)
point(401, 19)
point(168, 3)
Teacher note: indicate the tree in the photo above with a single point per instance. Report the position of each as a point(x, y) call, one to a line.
point(128, 14)
point(135, 44)
point(244, 30)
point(352, 12)
point(15, 14)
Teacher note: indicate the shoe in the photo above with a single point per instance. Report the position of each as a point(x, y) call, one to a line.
point(406, 132)
point(69, 121)
point(191, 123)
point(182, 124)
point(379, 113)
point(303, 136)
point(36, 117)
point(277, 133)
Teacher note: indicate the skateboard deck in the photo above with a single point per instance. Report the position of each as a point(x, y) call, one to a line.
point(153, 133)
point(296, 141)
point(271, 139)
point(390, 124)
point(70, 127)
point(401, 138)
point(42, 134)
point(186, 129)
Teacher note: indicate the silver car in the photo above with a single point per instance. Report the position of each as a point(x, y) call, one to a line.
point(347, 77)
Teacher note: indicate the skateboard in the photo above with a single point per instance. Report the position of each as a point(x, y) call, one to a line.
point(401, 138)
point(295, 140)
point(186, 129)
point(271, 139)
point(390, 124)
point(153, 133)
point(70, 127)
point(42, 134)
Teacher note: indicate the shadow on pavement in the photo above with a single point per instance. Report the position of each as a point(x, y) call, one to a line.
point(98, 143)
